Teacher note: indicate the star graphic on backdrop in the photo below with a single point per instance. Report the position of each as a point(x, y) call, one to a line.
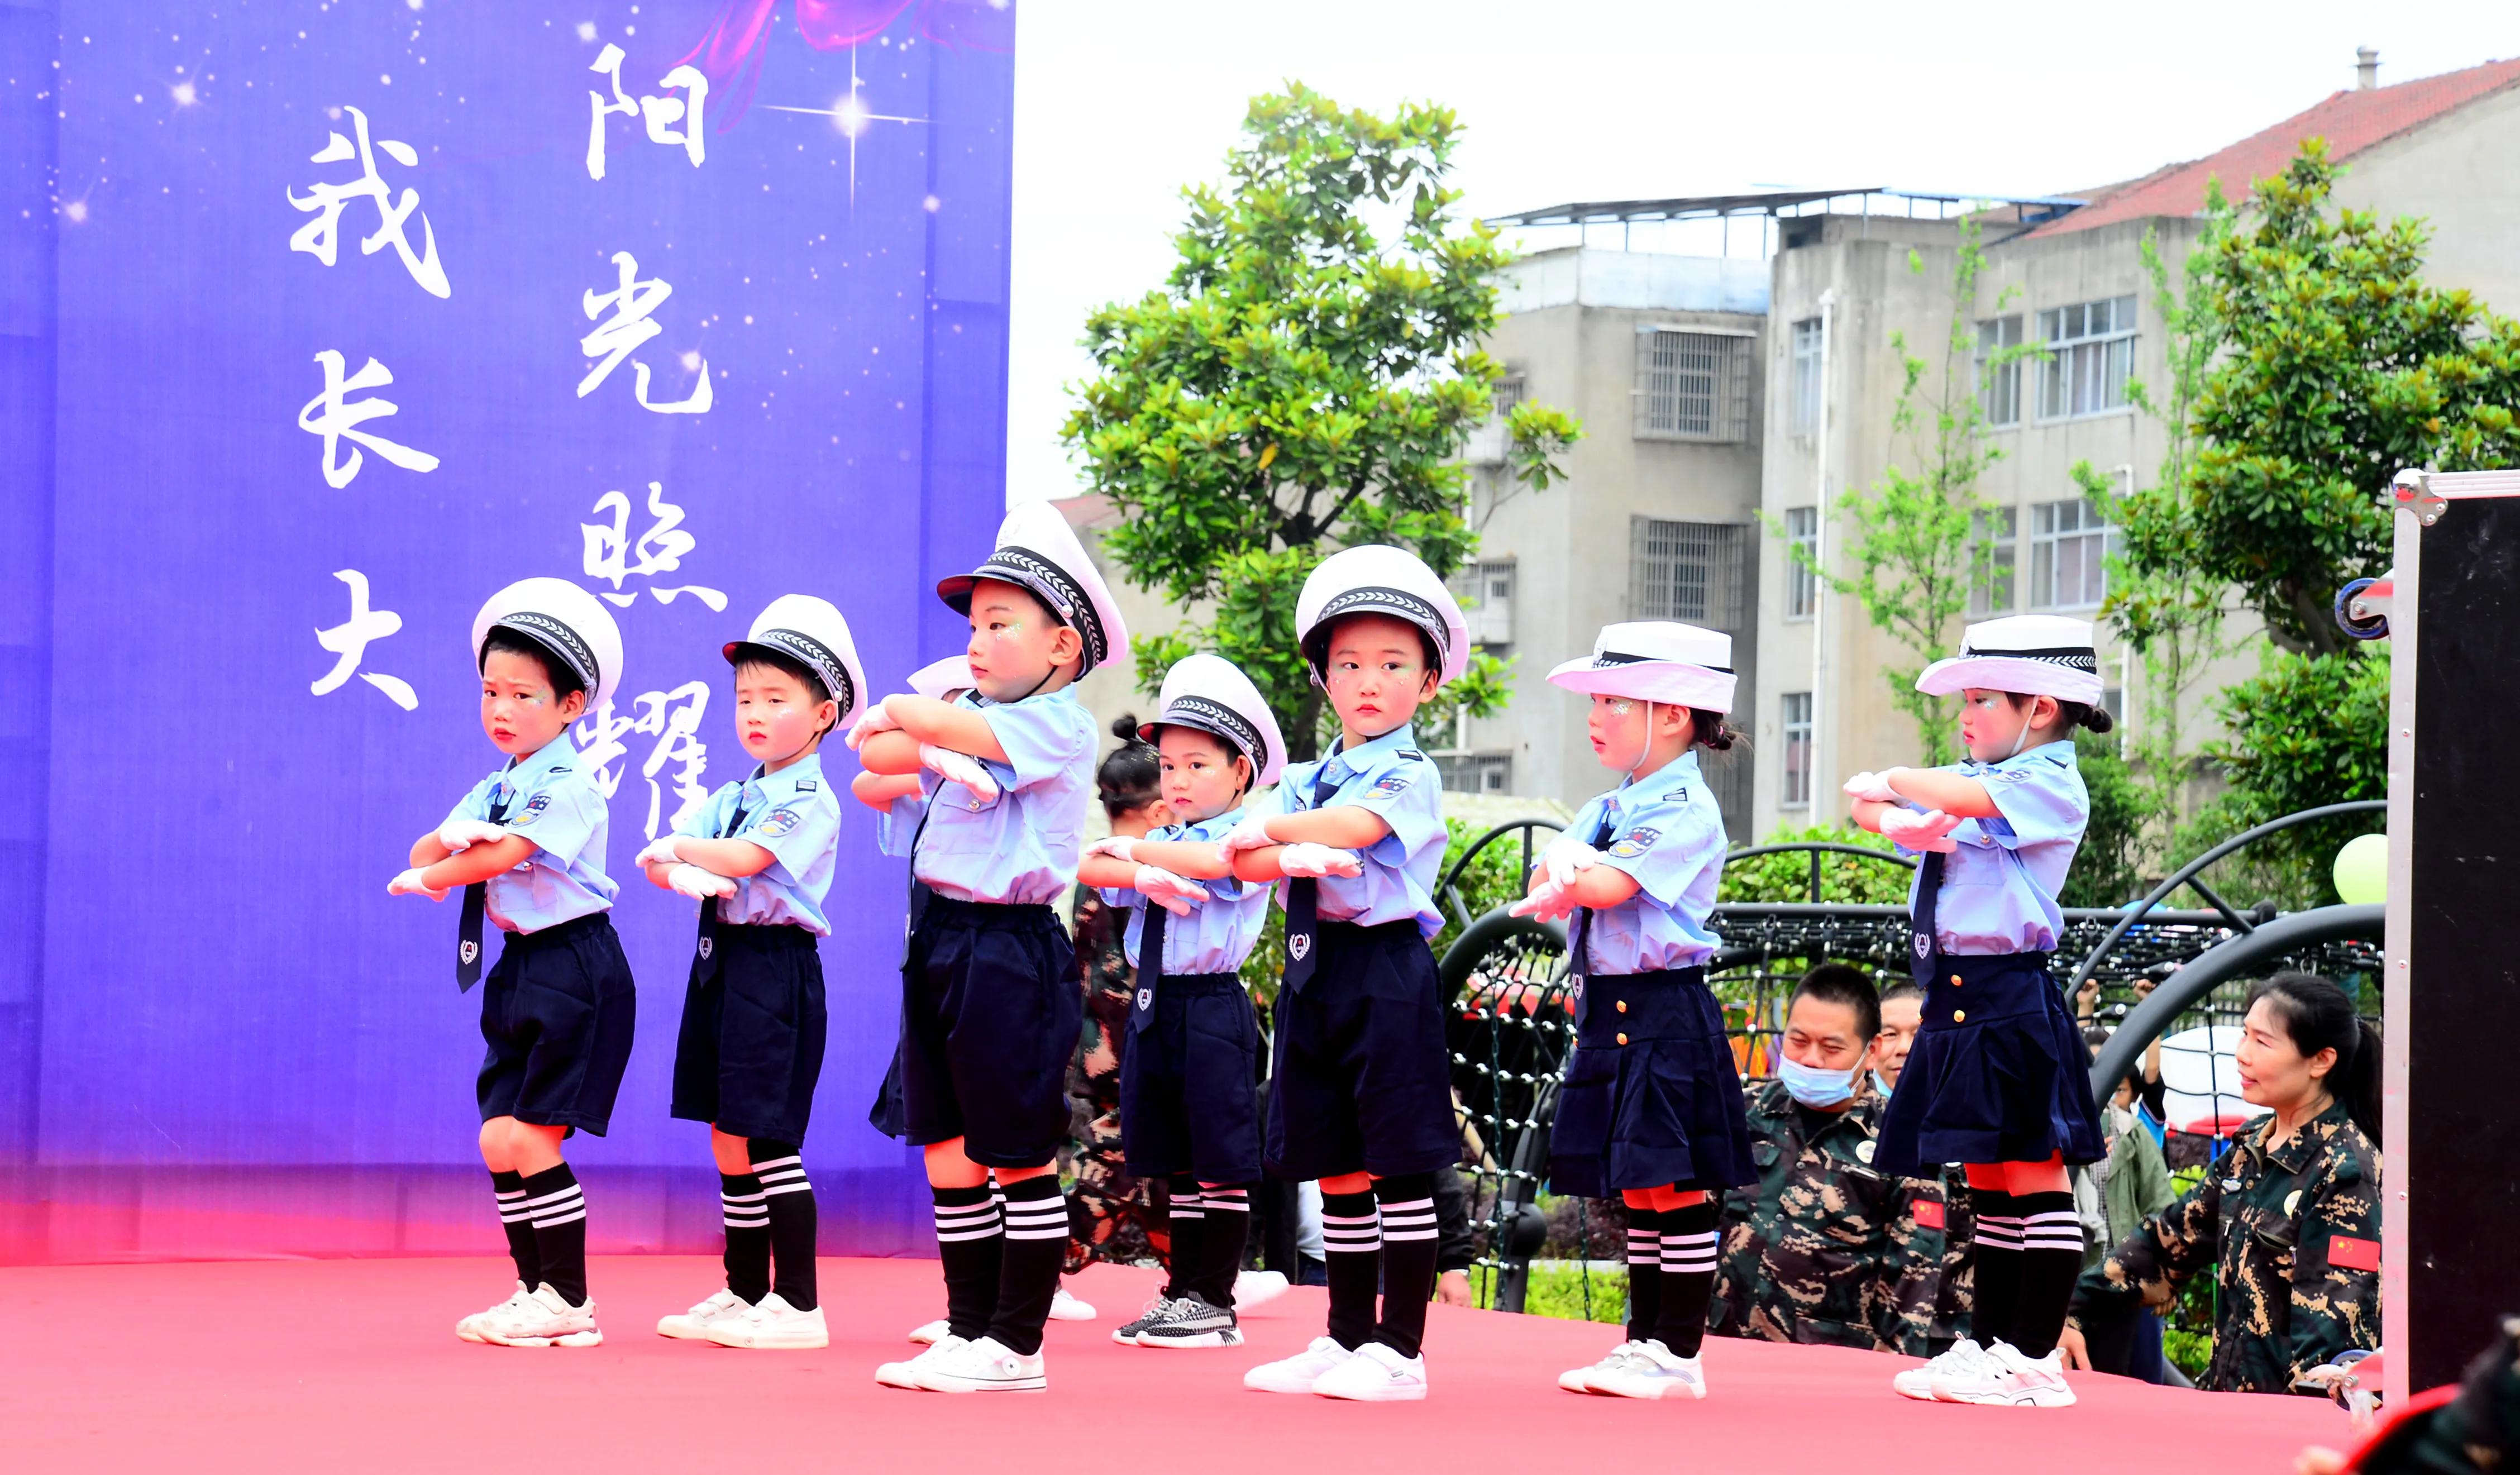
point(851, 115)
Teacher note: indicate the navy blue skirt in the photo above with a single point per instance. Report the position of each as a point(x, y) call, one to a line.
point(1651, 1096)
point(1999, 1073)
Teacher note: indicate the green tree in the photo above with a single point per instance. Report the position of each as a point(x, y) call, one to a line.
point(1304, 381)
point(2108, 866)
point(1847, 879)
point(1912, 552)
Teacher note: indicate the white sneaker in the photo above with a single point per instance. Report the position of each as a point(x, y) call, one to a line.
point(905, 1374)
point(1066, 1308)
point(1256, 1287)
point(692, 1325)
point(772, 1326)
point(1917, 1382)
point(1376, 1374)
point(1579, 1379)
point(470, 1328)
point(543, 1319)
point(933, 1332)
point(2011, 1379)
point(985, 1366)
point(1298, 1373)
point(1652, 1371)
point(1155, 1310)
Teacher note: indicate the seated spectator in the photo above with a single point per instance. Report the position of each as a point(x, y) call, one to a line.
point(1903, 1014)
point(1824, 1249)
point(2288, 1220)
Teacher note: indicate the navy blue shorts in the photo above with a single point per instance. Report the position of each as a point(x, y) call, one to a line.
point(1999, 1073)
point(990, 1015)
point(1651, 1096)
point(558, 1011)
point(1362, 1079)
point(753, 1030)
point(1190, 1099)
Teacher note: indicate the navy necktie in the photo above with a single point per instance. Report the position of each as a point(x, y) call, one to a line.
point(707, 942)
point(1921, 943)
point(1303, 900)
point(476, 905)
point(1578, 961)
point(1151, 965)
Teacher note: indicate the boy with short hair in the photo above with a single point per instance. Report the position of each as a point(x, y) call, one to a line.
point(758, 858)
point(526, 845)
point(990, 1006)
point(1361, 1098)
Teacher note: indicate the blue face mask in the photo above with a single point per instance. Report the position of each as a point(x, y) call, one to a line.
point(1814, 1087)
point(1880, 1085)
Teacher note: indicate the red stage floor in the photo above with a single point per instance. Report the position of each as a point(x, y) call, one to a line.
point(353, 1364)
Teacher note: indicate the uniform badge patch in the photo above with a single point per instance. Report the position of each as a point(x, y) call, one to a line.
point(1864, 1151)
point(1678, 795)
point(808, 786)
point(2012, 775)
point(1924, 944)
point(1634, 842)
point(1299, 945)
point(2347, 1253)
point(780, 820)
point(532, 810)
point(1929, 1214)
point(1392, 783)
point(468, 949)
point(1145, 998)
point(708, 945)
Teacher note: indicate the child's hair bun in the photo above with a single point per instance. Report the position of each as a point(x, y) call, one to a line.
point(1125, 728)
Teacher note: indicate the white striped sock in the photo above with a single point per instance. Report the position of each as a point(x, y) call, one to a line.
point(1037, 1218)
point(1645, 1246)
point(960, 1222)
point(1689, 1253)
point(2056, 1230)
point(1408, 1220)
point(1190, 1205)
point(1225, 1200)
point(1348, 1234)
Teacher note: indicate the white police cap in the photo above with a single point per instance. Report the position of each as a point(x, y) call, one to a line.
point(1377, 579)
point(565, 621)
point(1212, 694)
point(1038, 551)
point(1655, 660)
point(2026, 655)
point(814, 634)
point(940, 679)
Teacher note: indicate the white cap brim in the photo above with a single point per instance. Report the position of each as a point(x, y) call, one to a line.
point(2022, 676)
point(1676, 683)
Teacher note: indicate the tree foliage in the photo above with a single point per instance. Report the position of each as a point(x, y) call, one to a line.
point(1846, 880)
point(1305, 380)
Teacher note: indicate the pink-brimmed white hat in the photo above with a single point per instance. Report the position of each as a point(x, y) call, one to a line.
point(1655, 660)
point(2026, 655)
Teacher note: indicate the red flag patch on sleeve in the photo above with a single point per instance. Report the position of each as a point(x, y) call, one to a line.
point(2348, 1253)
point(1929, 1214)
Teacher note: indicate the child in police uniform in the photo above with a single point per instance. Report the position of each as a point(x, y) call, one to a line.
point(758, 858)
point(990, 1007)
point(1189, 1103)
point(1361, 1090)
point(527, 846)
point(1995, 1077)
point(1651, 1106)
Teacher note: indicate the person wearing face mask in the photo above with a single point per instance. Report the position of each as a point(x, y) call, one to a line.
point(1651, 1106)
point(2288, 1221)
point(1995, 1077)
point(1825, 1248)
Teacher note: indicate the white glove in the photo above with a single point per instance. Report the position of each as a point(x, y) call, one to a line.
point(1316, 861)
point(409, 884)
point(1872, 785)
point(1169, 891)
point(1930, 830)
point(698, 884)
point(963, 769)
point(463, 835)
point(659, 851)
point(1550, 903)
point(872, 721)
point(1564, 858)
point(1119, 847)
point(1250, 832)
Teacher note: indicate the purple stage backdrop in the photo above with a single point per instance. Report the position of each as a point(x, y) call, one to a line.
point(318, 322)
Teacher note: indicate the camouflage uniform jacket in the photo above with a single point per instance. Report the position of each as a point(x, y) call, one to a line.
point(1824, 1249)
point(2292, 1235)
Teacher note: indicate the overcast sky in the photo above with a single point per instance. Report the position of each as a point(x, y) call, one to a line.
point(1120, 103)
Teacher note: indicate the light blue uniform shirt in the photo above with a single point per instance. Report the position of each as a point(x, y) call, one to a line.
point(552, 800)
point(1391, 777)
point(1666, 833)
point(897, 823)
point(1220, 933)
point(2000, 885)
point(792, 813)
point(1020, 847)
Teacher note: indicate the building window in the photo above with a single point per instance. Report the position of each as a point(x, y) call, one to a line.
point(1475, 773)
point(1998, 385)
point(2069, 548)
point(1802, 541)
point(1807, 385)
point(1691, 385)
point(1485, 590)
point(2090, 352)
point(1990, 572)
point(1691, 571)
point(1797, 778)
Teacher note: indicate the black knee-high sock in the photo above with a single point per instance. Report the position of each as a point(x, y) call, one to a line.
point(1222, 1240)
point(2051, 1260)
point(971, 1244)
point(559, 1207)
point(746, 1217)
point(789, 1196)
point(1688, 1277)
point(1036, 1247)
point(1408, 1203)
point(1188, 1218)
point(1645, 1273)
point(1352, 1255)
point(509, 1190)
point(1994, 1260)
